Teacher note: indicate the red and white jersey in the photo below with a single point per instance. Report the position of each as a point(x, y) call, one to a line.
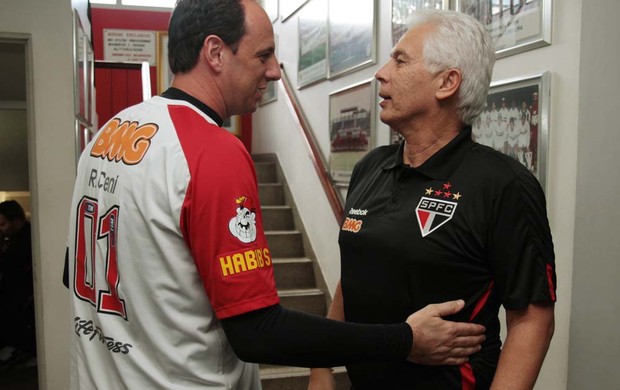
point(165, 238)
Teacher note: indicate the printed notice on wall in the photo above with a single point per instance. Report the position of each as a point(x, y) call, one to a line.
point(129, 45)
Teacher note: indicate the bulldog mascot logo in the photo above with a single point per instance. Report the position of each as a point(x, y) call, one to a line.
point(243, 225)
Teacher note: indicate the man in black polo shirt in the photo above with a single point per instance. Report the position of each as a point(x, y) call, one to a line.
point(440, 217)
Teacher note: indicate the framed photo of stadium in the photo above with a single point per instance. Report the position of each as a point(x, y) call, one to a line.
point(515, 25)
point(351, 127)
point(401, 9)
point(312, 39)
point(352, 35)
point(515, 121)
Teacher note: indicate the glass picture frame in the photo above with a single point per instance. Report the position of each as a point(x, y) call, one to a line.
point(289, 7)
point(233, 125)
point(515, 25)
point(515, 121)
point(80, 68)
point(352, 113)
point(270, 94)
point(401, 9)
point(352, 35)
point(313, 46)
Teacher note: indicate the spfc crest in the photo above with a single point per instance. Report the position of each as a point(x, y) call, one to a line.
point(432, 213)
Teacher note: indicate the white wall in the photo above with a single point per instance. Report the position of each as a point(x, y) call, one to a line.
point(48, 24)
point(274, 131)
point(594, 337)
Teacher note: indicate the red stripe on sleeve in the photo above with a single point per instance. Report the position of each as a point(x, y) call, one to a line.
point(481, 302)
point(550, 282)
point(468, 381)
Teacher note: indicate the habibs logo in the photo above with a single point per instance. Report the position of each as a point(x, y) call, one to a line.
point(125, 141)
point(243, 225)
point(434, 212)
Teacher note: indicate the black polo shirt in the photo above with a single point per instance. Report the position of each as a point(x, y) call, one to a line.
point(470, 223)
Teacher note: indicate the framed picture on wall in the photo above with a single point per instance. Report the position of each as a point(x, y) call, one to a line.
point(351, 127)
point(515, 25)
point(401, 9)
point(312, 65)
point(89, 82)
point(289, 7)
point(516, 121)
point(80, 68)
point(352, 35)
point(270, 94)
point(164, 75)
point(233, 125)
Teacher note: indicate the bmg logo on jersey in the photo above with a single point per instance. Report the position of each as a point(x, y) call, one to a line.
point(432, 213)
point(127, 141)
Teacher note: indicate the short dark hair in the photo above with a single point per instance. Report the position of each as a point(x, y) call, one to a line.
point(12, 210)
point(193, 20)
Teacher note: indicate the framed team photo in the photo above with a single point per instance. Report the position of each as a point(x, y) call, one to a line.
point(401, 9)
point(515, 121)
point(515, 25)
point(312, 39)
point(352, 35)
point(351, 127)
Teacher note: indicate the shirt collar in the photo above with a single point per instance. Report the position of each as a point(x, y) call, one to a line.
point(177, 94)
point(441, 164)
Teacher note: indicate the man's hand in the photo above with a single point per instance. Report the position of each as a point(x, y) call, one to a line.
point(437, 341)
point(321, 379)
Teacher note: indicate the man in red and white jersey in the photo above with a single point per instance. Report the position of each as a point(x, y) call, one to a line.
point(169, 271)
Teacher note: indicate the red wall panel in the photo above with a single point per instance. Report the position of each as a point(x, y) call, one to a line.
point(119, 88)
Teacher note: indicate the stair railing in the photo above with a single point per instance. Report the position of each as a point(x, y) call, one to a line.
point(318, 161)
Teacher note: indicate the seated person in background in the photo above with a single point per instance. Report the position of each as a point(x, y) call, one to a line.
point(17, 326)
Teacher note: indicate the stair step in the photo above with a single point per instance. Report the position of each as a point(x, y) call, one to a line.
point(293, 273)
point(271, 194)
point(266, 172)
point(285, 243)
point(277, 217)
point(296, 378)
point(310, 300)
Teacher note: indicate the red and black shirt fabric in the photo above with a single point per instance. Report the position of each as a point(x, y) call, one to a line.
point(470, 223)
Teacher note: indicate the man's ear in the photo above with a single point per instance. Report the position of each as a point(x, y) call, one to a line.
point(450, 82)
point(213, 52)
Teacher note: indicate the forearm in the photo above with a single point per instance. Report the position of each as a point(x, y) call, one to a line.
point(529, 334)
point(276, 335)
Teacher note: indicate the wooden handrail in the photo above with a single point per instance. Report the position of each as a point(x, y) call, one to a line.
point(318, 161)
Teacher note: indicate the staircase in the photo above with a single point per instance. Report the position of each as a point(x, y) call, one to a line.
point(299, 283)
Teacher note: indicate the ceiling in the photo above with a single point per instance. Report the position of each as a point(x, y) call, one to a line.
point(12, 72)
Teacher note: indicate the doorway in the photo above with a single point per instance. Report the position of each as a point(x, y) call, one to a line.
point(18, 362)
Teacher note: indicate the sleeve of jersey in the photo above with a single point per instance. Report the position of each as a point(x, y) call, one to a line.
point(222, 221)
point(521, 248)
